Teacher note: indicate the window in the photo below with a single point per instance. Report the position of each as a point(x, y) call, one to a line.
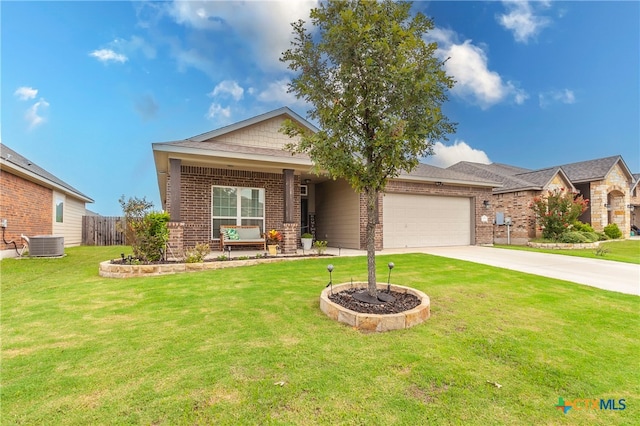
point(236, 206)
point(59, 210)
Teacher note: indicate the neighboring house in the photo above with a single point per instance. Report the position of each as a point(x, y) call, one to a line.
point(635, 202)
point(605, 182)
point(35, 202)
point(241, 174)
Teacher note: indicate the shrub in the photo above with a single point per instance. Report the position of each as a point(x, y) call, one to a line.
point(197, 254)
point(306, 235)
point(572, 237)
point(152, 235)
point(612, 231)
point(558, 211)
point(602, 236)
point(320, 246)
point(591, 237)
point(583, 227)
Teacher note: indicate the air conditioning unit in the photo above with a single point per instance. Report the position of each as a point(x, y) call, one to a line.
point(46, 246)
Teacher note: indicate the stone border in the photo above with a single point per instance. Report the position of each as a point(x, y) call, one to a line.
point(110, 270)
point(376, 322)
point(565, 246)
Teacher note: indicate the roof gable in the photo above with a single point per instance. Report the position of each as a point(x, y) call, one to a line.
point(598, 169)
point(12, 160)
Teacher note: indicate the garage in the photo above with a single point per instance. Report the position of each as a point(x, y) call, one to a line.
point(412, 220)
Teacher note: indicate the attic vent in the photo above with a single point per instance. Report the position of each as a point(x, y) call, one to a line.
point(46, 245)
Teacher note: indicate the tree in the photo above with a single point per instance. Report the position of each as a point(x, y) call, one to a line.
point(376, 89)
point(557, 211)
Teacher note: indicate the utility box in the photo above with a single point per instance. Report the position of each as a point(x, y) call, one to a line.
point(499, 218)
point(46, 246)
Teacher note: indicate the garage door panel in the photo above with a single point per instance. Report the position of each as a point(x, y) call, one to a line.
point(425, 220)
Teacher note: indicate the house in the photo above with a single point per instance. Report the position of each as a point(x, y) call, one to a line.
point(634, 205)
point(241, 174)
point(35, 202)
point(606, 182)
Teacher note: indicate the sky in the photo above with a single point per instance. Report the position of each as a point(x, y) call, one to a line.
point(87, 87)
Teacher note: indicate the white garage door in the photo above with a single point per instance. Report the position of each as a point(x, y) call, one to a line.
point(426, 221)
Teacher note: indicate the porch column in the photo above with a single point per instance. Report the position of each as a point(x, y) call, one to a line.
point(175, 184)
point(289, 194)
point(290, 231)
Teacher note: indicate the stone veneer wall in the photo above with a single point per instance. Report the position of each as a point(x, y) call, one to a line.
point(613, 190)
point(195, 200)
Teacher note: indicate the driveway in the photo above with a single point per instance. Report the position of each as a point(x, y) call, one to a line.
point(604, 274)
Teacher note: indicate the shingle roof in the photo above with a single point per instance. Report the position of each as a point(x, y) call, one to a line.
point(446, 175)
point(585, 171)
point(18, 161)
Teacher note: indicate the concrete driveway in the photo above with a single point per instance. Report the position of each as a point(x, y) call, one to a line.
point(604, 274)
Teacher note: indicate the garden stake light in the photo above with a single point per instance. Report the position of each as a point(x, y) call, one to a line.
point(390, 265)
point(387, 297)
point(330, 269)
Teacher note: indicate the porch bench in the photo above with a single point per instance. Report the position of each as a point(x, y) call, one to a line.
point(247, 235)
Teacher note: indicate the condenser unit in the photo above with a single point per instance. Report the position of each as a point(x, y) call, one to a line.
point(46, 245)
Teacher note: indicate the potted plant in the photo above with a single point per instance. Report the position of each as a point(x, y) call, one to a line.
point(274, 238)
point(307, 240)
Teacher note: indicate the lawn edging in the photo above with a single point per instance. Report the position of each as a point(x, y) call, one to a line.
point(375, 322)
point(564, 246)
point(115, 270)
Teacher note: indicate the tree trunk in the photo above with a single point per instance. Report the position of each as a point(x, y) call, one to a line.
point(372, 220)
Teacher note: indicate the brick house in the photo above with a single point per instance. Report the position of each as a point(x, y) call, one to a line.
point(240, 174)
point(606, 182)
point(35, 202)
point(634, 205)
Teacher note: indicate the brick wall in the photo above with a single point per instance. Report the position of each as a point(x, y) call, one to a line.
point(516, 206)
point(195, 199)
point(483, 231)
point(613, 190)
point(27, 206)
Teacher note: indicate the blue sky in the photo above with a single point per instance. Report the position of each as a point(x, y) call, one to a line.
point(87, 87)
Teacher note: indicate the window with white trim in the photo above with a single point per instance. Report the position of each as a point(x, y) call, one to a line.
point(236, 206)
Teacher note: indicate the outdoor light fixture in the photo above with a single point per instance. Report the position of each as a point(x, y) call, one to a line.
point(330, 269)
point(387, 297)
point(631, 207)
point(607, 206)
point(486, 204)
point(307, 181)
point(438, 183)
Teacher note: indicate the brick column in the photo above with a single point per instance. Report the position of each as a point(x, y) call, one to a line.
point(175, 245)
point(290, 238)
point(175, 182)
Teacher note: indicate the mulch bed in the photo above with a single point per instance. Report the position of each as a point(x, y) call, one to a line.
point(404, 302)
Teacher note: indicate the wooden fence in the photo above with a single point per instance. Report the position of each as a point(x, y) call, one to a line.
point(103, 231)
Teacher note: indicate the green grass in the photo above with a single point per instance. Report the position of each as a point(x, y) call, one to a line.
point(627, 251)
point(210, 347)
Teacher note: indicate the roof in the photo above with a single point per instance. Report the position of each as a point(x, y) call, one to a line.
point(512, 178)
point(587, 171)
point(433, 173)
point(10, 159)
point(254, 120)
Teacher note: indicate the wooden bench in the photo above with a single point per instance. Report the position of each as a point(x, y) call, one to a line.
point(248, 235)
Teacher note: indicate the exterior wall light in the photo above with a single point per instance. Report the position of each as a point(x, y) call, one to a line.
point(486, 204)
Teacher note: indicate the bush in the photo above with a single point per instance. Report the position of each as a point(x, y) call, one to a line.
point(591, 237)
point(146, 231)
point(197, 254)
point(557, 211)
point(306, 235)
point(572, 237)
point(602, 236)
point(582, 227)
point(612, 231)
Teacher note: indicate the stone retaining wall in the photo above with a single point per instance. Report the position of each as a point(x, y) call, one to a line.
point(564, 246)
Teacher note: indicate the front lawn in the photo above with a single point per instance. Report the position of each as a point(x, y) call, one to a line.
point(620, 251)
point(250, 346)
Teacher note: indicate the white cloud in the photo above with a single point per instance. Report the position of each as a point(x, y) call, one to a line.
point(108, 55)
point(216, 110)
point(264, 26)
point(522, 19)
point(228, 87)
point(34, 115)
point(448, 155)
point(276, 92)
point(25, 93)
point(564, 96)
point(468, 64)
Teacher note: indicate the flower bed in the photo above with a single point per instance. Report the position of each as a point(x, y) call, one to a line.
point(376, 322)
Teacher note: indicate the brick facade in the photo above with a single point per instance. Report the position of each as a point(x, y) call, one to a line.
point(195, 201)
point(515, 205)
point(27, 207)
point(613, 190)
